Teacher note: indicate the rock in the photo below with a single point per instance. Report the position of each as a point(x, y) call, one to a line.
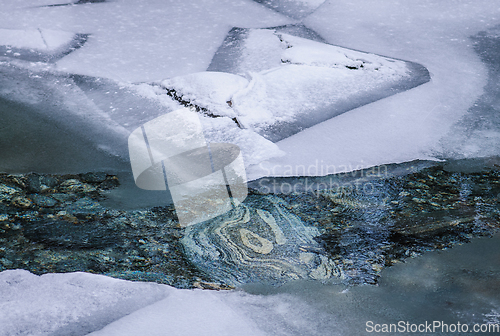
point(63, 197)
point(76, 186)
point(49, 180)
point(258, 241)
point(7, 263)
point(67, 217)
point(85, 207)
point(21, 202)
point(43, 201)
point(7, 192)
point(33, 183)
point(60, 233)
point(110, 183)
point(93, 177)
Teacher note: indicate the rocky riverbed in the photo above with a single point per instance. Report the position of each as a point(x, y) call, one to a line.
point(59, 223)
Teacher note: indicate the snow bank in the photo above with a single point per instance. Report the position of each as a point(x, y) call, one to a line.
point(185, 313)
point(82, 303)
point(73, 303)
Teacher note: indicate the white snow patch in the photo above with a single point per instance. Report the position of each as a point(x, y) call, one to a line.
point(261, 50)
point(211, 90)
point(298, 78)
point(185, 313)
point(83, 303)
point(254, 147)
point(41, 305)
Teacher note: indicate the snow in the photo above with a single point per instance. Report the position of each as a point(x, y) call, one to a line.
point(262, 50)
point(409, 125)
point(292, 83)
point(294, 8)
point(208, 89)
point(176, 315)
point(131, 42)
point(141, 43)
point(18, 5)
point(42, 45)
point(82, 303)
point(73, 302)
point(35, 39)
point(213, 90)
point(134, 42)
point(254, 148)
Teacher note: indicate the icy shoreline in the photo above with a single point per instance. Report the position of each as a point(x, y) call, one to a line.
point(74, 113)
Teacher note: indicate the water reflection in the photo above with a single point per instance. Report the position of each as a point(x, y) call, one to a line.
point(454, 286)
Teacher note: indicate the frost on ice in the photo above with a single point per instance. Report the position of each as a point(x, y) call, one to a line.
point(277, 84)
point(39, 45)
point(89, 304)
point(296, 9)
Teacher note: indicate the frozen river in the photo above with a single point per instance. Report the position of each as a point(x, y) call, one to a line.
point(305, 88)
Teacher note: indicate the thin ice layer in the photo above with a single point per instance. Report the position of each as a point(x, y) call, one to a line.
point(477, 134)
point(60, 123)
point(34, 39)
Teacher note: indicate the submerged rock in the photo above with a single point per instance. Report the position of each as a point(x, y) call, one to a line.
point(43, 201)
point(258, 241)
point(60, 233)
point(345, 232)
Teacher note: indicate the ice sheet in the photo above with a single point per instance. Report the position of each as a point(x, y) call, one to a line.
point(143, 42)
point(42, 45)
point(64, 304)
point(13, 5)
point(477, 134)
point(409, 125)
point(82, 303)
point(132, 42)
point(296, 9)
point(174, 316)
point(279, 84)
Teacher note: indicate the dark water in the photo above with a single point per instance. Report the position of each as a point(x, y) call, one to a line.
point(460, 285)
